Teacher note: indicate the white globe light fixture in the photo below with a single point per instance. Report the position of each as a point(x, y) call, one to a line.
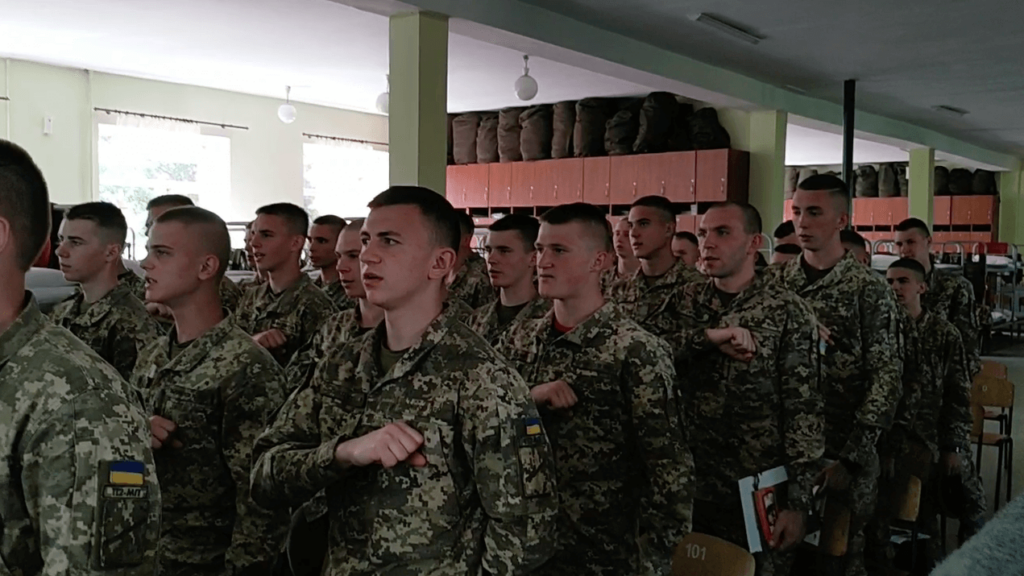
point(384, 100)
point(286, 112)
point(526, 86)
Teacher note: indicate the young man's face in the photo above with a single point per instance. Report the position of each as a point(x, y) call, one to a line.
point(915, 245)
point(568, 258)
point(686, 251)
point(907, 287)
point(818, 219)
point(399, 257)
point(621, 241)
point(649, 233)
point(274, 245)
point(323, 238)
point(725, 247)
point(173, 263)
point(508, 260)
point(83, 252)
point(347, 253)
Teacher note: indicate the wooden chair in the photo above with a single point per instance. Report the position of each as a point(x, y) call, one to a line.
point(703, 555)
point(1004, 417)
point(906, 500)
point(997, 393)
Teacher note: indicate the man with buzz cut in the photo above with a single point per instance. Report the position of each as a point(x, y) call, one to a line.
point(103, 313)
point(857, 245)
point(209, 390)
point(469, 282)
point(511, 264)
point(862, 359)
point(432, 455)
point(80, 493)
point(606, 391)
point(323, 238)
point(686, 247)
point(285, 312)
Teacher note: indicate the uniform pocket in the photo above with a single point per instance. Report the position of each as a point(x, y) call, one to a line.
point(126, 531)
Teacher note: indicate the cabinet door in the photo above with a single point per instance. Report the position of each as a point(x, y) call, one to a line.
point(500, 183)
point(596, 183)
point(898, 210)
point(864, 211)
point(623, 179)
point(524, 183)
point(942, 210)
point(722, 175)
point(558, 181)
point(672, 175)
point(467, 186)
point(687, 223)
point(973, 210)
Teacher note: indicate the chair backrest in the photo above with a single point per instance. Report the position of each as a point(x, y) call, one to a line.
point(909, 503)
point(993, 369)
point(703, 555)
point(977, 419)
point(988, 391)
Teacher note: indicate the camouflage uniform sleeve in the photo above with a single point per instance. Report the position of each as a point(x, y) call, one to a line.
point(963, 316)
point(66, 477)
point(257, 533)
point(955, 418)
point(230, 295)
point(883, 365)
point(300, 368)
point(123, 346)
point(514, 471)
point(660, 432)
point(802, 405)
point(292, 461)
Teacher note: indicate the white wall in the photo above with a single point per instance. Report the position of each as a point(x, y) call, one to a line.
point(266, 159)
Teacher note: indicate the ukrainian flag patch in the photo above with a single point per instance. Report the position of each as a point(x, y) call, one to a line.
point(533, 427)
point(127, 473)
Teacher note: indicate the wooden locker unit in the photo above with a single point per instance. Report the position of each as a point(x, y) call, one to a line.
point(942, 211)
point(596, 181)
point(500, 183)
point(722, 175)
point(467, 186)
point(973, 210)
point(557, 181)
point(623, 179)
point(896, 210)
point(672, 175)
point(524, 184)
point(687, 223)
point(863, 212)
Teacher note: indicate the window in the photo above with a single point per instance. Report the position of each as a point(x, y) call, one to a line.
point(342, 177)
point(139, 160)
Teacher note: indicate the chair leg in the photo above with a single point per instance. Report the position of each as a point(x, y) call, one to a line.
point(999, 476)
point(1009, 469)
point(977, 459)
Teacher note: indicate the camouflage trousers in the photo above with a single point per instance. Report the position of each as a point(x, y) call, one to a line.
point(726, 522)
point(974, 491)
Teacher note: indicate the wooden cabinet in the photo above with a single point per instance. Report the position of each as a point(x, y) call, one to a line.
point(596, 181)
point(787, 210)
point(557, 182)
point(942, 211)
point(500, 184)
point(880, 211)
point(863, 211)
point(722, 175)
point(622, 176)
point(687, 223)
point(672, 175)
point(467, 186)
point(524, 184)
point(973, 210)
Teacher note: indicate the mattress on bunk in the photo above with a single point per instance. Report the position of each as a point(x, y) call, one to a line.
point(881, 262)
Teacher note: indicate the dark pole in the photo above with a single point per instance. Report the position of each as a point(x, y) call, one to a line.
point(849, 111)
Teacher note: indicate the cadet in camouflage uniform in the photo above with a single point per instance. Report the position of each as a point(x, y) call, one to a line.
point(431, 452)
point(862, 360)
point(511, 265)
point(950, 296)
point(284, 313)
point(259, 277)
point(751, 412)
point(323, 237)
point(103, 313)
point(210, 389)
point(80, 493)
point(651, 295)
point(607, 396)
point(686, 247)
point(469, 282)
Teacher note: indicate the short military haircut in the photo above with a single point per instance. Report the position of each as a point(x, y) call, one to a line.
point(527, 226)
point(847, 236)
point(170, 201)
point(790, 249)
point(331, 220)
point(212, 231)
point(24, 203)
point(914, 224)
point(442, 220)
point(294, 216)
point(911, 265)
point(688, 236)
point(593, 219)
point(751, 217)
point(107, 217)
point(785, 229)
point(356, 223)
point(828, 183)
point(466, 225)
point(659, 203)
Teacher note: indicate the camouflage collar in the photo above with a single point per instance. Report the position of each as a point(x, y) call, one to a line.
point(191, 357)
point(100, 308)
point(436, 332)
point(28, 324)
point(796, 279)
point(289, 292)
point(319, 282)
point(587, 330)
point(474, 261)
point(675, 276)
point(706, 297)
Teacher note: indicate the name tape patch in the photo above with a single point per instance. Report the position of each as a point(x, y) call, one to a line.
point(125, 492)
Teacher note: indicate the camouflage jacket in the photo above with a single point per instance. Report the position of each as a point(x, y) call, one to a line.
point(485, 321)
point(746, 418)
point(299, 312)
point(80, 492)
point(623, 464)
point(220, 391)
point(485, 500)
point(472, 285)
point(950, 296)
point(337, 332)
point(862, 368)
point(656, 305)
point(135, 283)
point(336, 292)
point(117, 326)
point(936, 405)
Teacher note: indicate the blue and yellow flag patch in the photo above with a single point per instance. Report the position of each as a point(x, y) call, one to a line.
point(127, 473)
point(533, 427)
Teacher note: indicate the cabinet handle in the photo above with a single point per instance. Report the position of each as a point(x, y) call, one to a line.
point(663, 188)
point(556, 189)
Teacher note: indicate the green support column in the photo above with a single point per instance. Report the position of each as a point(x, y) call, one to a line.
point(768, 166)
point(1011, 206)
point(921, 176)
point(417, 131)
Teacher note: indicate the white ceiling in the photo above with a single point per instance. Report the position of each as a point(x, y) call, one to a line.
point(332, 54)
point(810, 147)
